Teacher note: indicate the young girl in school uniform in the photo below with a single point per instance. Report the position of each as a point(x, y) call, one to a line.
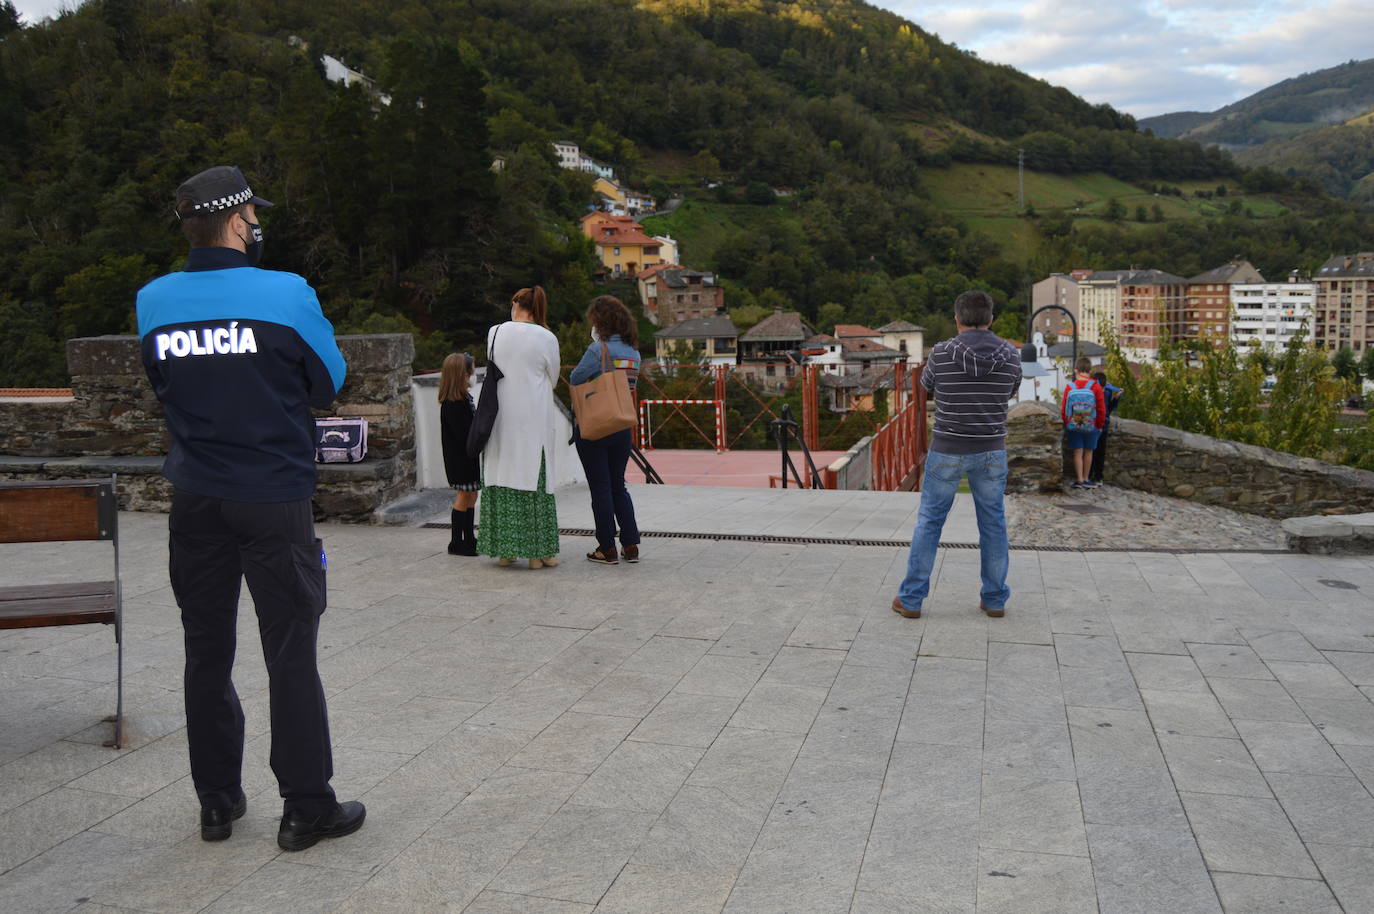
point(455, 418)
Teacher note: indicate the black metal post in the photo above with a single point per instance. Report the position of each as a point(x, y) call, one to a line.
point(1073, 322)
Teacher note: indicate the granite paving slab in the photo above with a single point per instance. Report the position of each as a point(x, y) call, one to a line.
point(731, 726)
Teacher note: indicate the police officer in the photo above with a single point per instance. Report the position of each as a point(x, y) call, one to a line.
point(238, 356)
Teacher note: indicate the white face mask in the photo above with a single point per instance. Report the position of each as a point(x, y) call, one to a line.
point(596, 337)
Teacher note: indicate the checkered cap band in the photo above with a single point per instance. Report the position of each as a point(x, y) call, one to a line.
point(214, 206)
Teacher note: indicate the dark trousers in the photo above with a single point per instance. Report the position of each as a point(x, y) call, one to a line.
point(215, 545)
point(604, 462)
point(1100, 454)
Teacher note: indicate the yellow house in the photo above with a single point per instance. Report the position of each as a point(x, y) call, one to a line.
point(608, 188)
point(623, 247)
point(713, 341)
point(621, 200)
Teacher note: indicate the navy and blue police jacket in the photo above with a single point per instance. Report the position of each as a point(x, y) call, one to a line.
point(238, 356)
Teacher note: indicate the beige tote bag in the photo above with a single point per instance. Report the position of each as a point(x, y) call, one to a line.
point(603, 405)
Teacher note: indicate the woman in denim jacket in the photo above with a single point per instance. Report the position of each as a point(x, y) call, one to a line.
point(604, 459)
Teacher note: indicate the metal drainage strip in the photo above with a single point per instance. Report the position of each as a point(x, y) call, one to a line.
point(901, 544)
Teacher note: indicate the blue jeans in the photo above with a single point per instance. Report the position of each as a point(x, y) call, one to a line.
point(604, 462)
point(987, 480)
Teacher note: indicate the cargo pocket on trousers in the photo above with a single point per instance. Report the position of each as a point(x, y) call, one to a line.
point(310, 577)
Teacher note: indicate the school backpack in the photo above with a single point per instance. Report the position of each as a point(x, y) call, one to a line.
point(1080, 405)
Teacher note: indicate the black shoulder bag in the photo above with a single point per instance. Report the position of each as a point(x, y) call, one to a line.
point(487, 404)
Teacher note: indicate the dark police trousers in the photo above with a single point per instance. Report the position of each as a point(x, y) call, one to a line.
point(216, 544)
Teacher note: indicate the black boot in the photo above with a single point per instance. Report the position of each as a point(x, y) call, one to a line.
point(455, 539)
point(468, 544)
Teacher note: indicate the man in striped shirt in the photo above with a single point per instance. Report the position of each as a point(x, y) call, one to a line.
point(972, 377)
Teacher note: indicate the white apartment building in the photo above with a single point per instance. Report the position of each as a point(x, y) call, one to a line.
point(1099, 305)
point(569, 155)
point(1271, 312)
point(593, 167)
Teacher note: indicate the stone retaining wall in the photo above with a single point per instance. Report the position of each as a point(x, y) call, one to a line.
point(113, 423)
point(1166, 461)
point(1243, 477)
point(1034, 438)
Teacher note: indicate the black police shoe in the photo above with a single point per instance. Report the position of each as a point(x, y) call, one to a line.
point(217, 823)
point(296, 833)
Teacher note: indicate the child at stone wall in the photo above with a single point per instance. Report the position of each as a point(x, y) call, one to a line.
point(1084, 413)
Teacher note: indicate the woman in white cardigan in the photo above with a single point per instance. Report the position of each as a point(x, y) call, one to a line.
point(518, 516)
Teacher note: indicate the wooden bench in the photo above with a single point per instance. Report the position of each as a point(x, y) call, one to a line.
point(62, 511)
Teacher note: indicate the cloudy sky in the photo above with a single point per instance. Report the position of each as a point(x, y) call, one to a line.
point(1142, 56)
point(1151, 57)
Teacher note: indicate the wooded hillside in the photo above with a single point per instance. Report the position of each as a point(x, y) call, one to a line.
point(392, 209)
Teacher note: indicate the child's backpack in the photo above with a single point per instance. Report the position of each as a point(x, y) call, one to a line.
point(1080, 405)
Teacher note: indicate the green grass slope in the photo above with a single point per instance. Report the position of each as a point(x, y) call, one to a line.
point(702, 226)
point(985, 196)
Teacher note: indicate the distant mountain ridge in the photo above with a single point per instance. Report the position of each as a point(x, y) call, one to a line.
point(1318, 125)
point(1293, 106)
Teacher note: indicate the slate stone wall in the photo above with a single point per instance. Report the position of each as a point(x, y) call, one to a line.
point(113, 423)
point(1034, 438)
point(1242, 477)
point(1166, 461)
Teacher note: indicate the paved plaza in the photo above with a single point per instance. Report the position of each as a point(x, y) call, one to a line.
point(729, 725)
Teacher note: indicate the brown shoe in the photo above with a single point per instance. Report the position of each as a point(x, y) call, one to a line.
point(901, 610)
point(994, 613)
point(603, 556)
point(630, 554)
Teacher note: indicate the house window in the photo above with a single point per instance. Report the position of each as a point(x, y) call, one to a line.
point(770, 370)
point(615, 251)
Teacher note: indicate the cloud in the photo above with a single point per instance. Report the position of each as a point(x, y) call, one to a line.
point(1155, 56)
point(31, 11)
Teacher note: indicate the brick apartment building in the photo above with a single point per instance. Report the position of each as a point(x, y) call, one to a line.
point(1150, 303)
point(1142, 307)
point(1343, 314)
point(1206, 311)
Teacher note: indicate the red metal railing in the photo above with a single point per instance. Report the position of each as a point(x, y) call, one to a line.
point(899, 447)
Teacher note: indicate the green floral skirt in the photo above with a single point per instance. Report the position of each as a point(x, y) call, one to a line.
point(516, 524)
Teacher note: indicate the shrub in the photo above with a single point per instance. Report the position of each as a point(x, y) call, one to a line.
point(1212, 388)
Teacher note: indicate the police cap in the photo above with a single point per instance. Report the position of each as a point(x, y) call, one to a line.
point(215, 189)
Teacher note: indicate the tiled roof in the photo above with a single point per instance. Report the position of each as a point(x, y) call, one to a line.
point(866, 381)
point(654, 268)
point(716, 326)
point(778, 326)
point(1235, 271)
point(1152, 278)
point(900, 327)
point(1361, 264)
point(1064, 350)
point(677, 278)
point(1137, 278)
point(821, 338)
point(862, 349)
point(625, 237)
point(844, 330)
